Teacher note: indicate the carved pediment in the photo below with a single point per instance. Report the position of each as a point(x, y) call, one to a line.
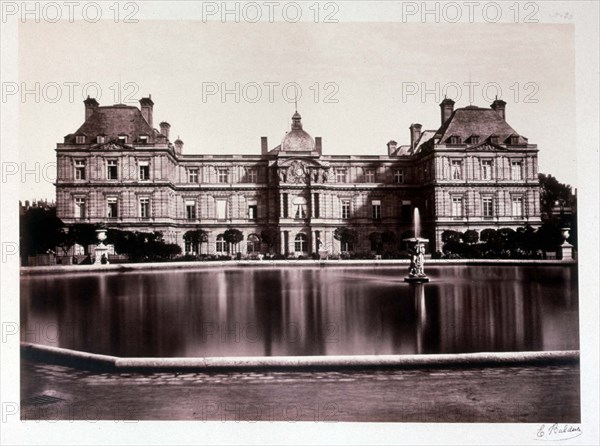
point(485, 147)
point(111, 146)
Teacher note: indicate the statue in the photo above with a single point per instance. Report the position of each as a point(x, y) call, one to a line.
point(417, 262)
point(416, 271)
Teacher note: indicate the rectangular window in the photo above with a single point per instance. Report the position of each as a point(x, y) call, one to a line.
point(340, 175)
point(112, 208)
point(456, 169)
point(79, 207)
point(223, 175)
point(100, 139)
point(80, 170)
point(515, 170)
point(143, 139)
point(317, 203)
point(123, 139)
point(370, 176)
point(486, 169)
point(284, 204)
point(457, 206)
point(144, 169)
point(221, 209)
point(80, 139)
point(252, 211)
point(192, 174)
point(488, 206)
point(345, 209)
point(300, 210)
point(406, 211)
point(251, 175)
point(144, 207)
point(398, 176)
point(111, 169)
point(190, 210)
point(376, 209)
point(517, 206)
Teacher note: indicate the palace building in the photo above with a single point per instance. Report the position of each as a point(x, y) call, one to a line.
point(473, 172)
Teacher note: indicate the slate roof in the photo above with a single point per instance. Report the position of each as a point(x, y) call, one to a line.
point(114, 120)
point(483, 122)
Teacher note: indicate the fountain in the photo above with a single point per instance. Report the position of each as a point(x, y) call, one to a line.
point(416, 245)
point(101, 250)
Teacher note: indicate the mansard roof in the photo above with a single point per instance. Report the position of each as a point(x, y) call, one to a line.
point(112, 121)
point(483, 122)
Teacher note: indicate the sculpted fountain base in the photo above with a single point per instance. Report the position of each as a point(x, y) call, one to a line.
point(416, 273)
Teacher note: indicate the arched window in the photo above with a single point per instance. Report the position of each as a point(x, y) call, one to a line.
point(253, 244)
point(300, 243)
point(221, 244)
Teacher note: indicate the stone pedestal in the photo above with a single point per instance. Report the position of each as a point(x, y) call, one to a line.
point(100, 250)
point(565, 251)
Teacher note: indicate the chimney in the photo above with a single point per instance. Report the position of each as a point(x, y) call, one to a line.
point(178, 146)
point(499, 106)
point(264, 145)
point(164, 129)
point(146, 106)
point(447, 106)
point(90, 105)
point(392, 148)
point(415, 134)
point(319, 145)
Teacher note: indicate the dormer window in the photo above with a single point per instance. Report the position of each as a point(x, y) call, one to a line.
point(123, 139)
point(514, 140)
point(100, 139)
point(454, 139)
point(494, 139)
point(143, 139)
point(80, 139)
point(474, 139)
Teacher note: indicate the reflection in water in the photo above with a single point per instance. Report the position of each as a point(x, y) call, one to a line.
point(303, 311)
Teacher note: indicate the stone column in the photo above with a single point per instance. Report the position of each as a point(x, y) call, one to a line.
point(281, 214)
point(312, 205)
point(282, 242)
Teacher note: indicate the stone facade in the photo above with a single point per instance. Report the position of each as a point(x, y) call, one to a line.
point(474, 172)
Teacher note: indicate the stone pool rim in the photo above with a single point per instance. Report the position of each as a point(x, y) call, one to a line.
point(240, 264)
point(93, 361)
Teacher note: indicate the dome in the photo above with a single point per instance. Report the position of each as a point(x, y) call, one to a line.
point(297, 140)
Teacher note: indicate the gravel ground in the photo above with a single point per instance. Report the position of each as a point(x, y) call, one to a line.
point(540, 394)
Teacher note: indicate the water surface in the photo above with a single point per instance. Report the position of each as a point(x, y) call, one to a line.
point(304, 311)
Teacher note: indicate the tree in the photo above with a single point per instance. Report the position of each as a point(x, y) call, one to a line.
point(451, 236)
point(196, 237)
point(233, 236)
point(41, 231)
point(346, 236)
point(551, 192)
point(389, 237)
point(470, 236)
point(84, 234)
point(270, 236)
point(376, 239)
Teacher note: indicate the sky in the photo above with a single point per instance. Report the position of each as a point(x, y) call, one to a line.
point(359, 84)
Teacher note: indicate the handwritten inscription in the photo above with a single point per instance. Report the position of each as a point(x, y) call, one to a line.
point(557, 432)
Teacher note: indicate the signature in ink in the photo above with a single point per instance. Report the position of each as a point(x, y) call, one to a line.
point(557, 432)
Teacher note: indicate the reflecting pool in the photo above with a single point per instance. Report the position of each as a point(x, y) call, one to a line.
point(304, 311)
